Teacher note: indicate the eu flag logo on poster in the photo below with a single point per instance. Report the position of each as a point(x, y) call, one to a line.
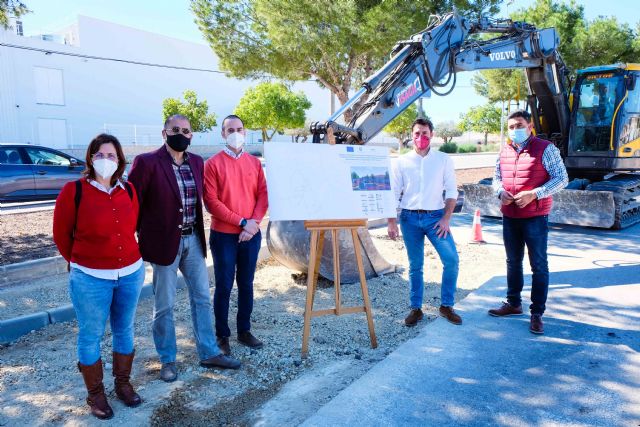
point(349, 149)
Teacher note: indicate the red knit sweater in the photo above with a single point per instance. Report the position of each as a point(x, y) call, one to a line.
point(104, 236)
point(234, 189)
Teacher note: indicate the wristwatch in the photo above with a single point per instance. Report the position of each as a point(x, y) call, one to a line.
point(243, 222)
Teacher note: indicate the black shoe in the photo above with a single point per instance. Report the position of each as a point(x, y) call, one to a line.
point(247, 338)
point(221, 361)
point(223, 345)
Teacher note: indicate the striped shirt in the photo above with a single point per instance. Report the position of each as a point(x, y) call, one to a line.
point(551, 161)
point(188, 193)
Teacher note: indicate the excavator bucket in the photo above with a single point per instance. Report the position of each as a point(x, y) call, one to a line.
point(289, 243)
point(577, 207)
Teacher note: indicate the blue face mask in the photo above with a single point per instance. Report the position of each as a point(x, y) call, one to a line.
point(518, 135)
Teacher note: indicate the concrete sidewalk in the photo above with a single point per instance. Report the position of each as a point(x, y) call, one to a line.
point(585, 370)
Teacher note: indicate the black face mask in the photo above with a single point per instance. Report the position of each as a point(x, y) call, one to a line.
point(178, 142)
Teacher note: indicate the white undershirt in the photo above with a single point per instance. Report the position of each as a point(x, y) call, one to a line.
point(108, 274)
point(419, 182)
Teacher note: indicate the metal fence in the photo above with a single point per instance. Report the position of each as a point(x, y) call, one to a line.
point(143, 135)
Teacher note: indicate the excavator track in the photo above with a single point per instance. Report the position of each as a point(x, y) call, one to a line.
point(626, 197)
point(612, 203)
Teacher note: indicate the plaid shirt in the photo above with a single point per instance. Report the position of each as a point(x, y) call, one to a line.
point(551, 161)
point(188, 193)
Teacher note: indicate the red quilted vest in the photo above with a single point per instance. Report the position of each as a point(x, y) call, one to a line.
point(524, 171)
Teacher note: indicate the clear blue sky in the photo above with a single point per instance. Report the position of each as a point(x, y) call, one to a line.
point(174, 18)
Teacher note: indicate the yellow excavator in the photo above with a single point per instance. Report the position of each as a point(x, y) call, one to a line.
point(595, 122)
point(601, 152)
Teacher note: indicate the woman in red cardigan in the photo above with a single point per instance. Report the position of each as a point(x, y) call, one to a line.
point(94, 224)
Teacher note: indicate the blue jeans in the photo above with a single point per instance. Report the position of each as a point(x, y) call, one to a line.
point(96, 299)
point(230, 259)
point(190, 260)
point(415, 226)
point(532, 232)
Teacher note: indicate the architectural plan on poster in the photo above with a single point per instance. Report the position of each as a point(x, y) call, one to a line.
point(321, 181)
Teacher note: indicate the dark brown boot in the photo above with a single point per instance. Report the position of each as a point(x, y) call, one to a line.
point(223, 345)
point(97, 401)
point(247, 338)
point(536, 326)
point(121, 372)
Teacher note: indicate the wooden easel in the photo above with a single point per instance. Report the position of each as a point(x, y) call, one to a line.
point(318, 228)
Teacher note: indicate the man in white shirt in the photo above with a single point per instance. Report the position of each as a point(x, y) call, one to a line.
point(419, 180)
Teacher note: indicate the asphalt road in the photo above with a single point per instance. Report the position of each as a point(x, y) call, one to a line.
point(584, 371)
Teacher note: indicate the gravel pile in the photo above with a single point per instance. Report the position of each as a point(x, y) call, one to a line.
point(39, 383)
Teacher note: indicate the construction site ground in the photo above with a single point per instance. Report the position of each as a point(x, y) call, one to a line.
point(590, 350)
point(40, 385)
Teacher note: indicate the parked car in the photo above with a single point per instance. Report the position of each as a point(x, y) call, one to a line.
point(30, 172)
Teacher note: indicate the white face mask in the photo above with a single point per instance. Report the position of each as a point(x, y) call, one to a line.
point(105, 167)
point(235, 140)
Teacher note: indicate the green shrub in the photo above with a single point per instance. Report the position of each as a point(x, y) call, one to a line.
point(467, 148)
point(492, 148)
point(449, 147)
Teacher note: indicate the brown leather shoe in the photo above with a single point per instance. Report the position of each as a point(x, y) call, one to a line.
point(506, 310)
point(223, 345)
point(249, 340)
point(122, 373)
point(449, 314)
point(536, 326)
point(414, 316)
point(97, 401)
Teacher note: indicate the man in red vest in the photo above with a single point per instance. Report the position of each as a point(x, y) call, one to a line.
point(528, 172)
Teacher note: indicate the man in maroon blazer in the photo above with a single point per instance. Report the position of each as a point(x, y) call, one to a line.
point(171, 237)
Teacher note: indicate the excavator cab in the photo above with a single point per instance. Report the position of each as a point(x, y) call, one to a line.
point(604, 136)
point(602, 154)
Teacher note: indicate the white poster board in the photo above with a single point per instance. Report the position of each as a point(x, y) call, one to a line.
point(324, 182)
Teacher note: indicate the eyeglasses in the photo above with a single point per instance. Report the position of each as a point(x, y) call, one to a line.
point(176, 129)
point(110, 156)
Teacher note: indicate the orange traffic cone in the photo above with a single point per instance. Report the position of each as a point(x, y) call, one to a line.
point(476, 231)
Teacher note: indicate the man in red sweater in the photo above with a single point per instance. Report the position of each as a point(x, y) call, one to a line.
point(235, 193)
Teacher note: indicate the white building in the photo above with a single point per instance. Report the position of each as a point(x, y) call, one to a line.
point(62, 89)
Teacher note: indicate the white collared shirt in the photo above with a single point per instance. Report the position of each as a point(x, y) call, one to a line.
point(419, 182)
point(103, 188)
point(232, 154)
point(108, 274)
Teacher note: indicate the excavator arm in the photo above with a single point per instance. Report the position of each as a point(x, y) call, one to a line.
point(429, 61)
